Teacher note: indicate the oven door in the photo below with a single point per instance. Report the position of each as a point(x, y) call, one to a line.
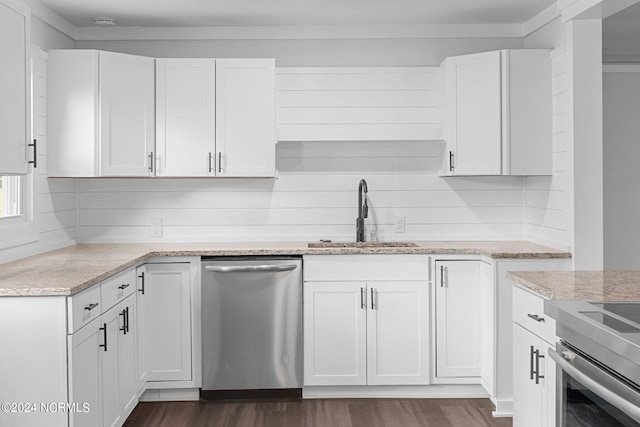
point(590, 394)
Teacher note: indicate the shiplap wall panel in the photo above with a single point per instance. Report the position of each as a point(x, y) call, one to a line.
point(55, 213)
point(310, 202)
point(55, 198)
point(546, 207)
point(367, 104)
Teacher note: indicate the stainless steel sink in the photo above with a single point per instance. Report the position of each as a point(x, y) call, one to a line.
point(362, 245)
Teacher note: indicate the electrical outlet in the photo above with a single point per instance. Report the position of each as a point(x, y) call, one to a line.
point(155, 229)
point(398, 224)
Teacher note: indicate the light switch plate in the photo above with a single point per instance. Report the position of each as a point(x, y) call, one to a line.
point(155, 230)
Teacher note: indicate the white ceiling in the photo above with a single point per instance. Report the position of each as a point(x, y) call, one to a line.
point(152, 13)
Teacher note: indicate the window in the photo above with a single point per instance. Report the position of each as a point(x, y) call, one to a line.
point(11, 196)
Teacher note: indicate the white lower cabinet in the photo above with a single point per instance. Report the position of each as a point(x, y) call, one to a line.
point(85, 374)
point(458, 320)
point(102, 367)
point(397, 333)
point(534, 372)
point(168, 321)
point(369, 332)
point(335, 334)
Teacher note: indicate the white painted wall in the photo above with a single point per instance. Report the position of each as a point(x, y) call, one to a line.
point(548, 217)
point(55, 211)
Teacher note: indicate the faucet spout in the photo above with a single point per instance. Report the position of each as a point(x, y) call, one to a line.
point(363, 210)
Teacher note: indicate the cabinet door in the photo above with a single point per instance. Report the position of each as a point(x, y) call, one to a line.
point(111, 408)
point(85, 374)
point(185, 117)
point(128, 355)
point(127, 115)
point(474, 113)
point(168, 321)
point(397, 333)
point(527, 395)
point(335, 333)
point(458, 319)
point(245, 117)
point(141, 326)
point(14, 87)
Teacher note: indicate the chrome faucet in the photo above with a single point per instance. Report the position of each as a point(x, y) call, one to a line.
point(363, 210)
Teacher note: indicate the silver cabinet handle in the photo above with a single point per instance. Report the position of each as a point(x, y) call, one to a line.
point(123, 286)
point(373, 301)
point(535, 317)
point(363, 298)
point(219, 161)
point(210, 158)
point(250, 268)
point(566, 362)
point(442, 276)
point(151, 162)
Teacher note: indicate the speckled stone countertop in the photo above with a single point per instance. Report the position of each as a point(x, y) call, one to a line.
point(72, 269)
point(590, 286)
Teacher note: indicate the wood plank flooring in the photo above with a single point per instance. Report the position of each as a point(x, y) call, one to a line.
point(319, 413)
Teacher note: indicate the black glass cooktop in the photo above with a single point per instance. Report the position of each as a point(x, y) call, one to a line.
point(627, 310)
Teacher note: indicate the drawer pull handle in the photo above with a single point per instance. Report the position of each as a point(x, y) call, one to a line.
point(141, 276)
point(535, 317)
point(91, 306)
point(104, 330)
point(123, 286)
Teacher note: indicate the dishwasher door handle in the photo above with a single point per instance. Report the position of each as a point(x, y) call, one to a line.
point(250, 268)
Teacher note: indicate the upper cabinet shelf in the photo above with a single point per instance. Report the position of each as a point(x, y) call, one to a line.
point(15, 90)
point(120, 115)
point(497, 113)
point(358, 103)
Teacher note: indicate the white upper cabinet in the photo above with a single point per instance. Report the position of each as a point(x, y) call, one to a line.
point(497, 113)
point(15, 127)
point(185, 117)
point(245, 117)
point(100, 114)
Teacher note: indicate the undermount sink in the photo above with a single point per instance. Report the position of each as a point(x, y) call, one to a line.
point(362, 245)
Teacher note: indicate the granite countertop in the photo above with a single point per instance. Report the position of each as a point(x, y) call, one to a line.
point(590, 286)
point(69, 270)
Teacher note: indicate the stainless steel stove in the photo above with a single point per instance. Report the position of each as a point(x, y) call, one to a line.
point(598, 362)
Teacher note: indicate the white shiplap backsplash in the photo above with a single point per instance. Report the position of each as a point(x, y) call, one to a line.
point(314, 197)
point(547, 197)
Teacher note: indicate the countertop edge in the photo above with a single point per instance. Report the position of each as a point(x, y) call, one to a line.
point(146, 253)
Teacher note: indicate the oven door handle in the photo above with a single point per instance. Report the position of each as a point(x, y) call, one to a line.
point(564, 361)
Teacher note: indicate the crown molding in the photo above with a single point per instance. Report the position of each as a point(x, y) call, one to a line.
point(541, 19)
point(51, 18)
point(301, 32)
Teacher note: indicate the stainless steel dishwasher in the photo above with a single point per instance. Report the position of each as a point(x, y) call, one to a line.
point(251, 327)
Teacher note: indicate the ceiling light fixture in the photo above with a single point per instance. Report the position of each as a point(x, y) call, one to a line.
point(104, 22)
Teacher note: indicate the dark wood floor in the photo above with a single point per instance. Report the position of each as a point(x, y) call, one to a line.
point(319, 413)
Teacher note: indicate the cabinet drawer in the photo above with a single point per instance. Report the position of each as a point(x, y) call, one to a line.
point(528, 311)
point(118, 287)
point(82, 308)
